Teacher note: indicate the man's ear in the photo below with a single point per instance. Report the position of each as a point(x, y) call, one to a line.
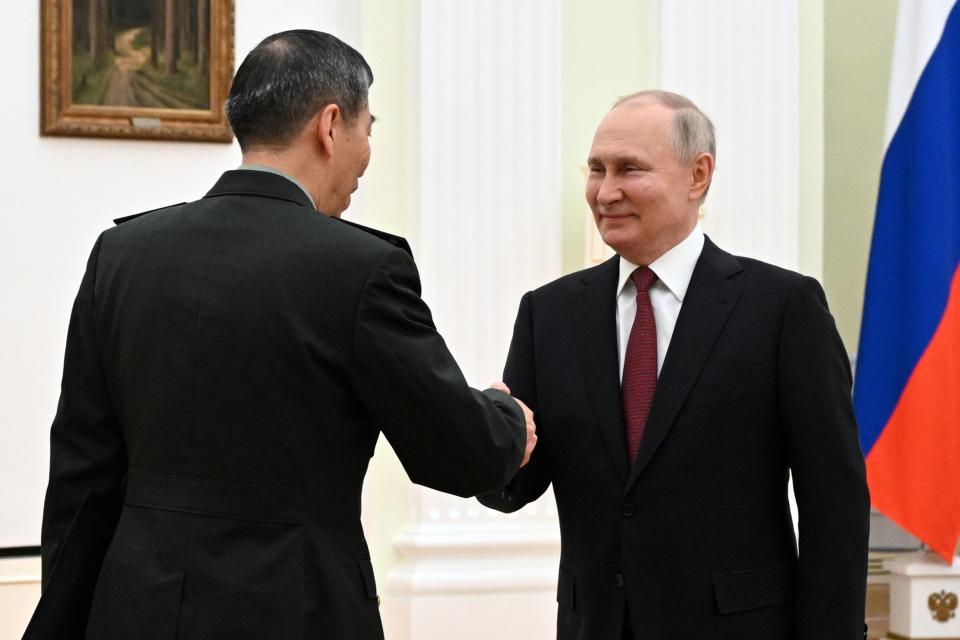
point(325, 124)
point(701, 172)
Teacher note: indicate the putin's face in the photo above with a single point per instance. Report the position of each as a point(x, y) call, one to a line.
point(644, 201)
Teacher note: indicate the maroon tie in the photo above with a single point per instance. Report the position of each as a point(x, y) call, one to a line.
point(639, 363)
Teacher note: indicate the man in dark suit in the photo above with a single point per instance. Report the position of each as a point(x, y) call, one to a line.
point(674, 388)
point(230, 364)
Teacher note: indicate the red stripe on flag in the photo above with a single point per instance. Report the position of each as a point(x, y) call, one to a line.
point(914, 467)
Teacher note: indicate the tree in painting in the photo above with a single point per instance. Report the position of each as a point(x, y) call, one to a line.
point(141, 53)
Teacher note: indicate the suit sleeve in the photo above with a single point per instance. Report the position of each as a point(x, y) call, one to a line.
point(520, 375)
point(814, 390)
point(88, 460)
point(447, 435)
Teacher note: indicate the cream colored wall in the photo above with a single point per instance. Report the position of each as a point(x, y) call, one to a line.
point(811, 112)
point(858, 45)
point(603, 58)
point(19, 592)
point(387, 43)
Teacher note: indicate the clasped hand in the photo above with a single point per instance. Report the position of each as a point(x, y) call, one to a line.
point(528, 416)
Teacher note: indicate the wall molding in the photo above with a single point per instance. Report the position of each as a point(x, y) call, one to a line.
point(740, 62)
point(485, 223)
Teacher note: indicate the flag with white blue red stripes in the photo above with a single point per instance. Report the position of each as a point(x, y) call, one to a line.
point(907, 389)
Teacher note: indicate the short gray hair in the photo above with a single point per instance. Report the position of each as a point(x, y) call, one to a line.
point(692, 132)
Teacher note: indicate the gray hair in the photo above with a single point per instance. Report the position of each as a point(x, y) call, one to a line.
point(287, 78)
point(692, 132)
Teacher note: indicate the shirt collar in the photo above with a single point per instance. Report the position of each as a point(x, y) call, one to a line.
point(674, 268)
point(268, 169)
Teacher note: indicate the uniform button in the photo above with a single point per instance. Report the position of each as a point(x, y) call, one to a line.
point(620, 580)
point(628, 509)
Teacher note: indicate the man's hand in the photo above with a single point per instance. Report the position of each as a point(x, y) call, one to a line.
point(531, 432)
point(531, 425)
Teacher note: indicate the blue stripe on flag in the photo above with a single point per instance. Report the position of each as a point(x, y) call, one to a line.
point(916, 238)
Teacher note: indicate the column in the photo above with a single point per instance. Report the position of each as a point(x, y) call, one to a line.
point(484, 165)
point(740, 62)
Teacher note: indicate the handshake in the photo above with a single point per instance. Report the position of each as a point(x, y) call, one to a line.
point(528, 416)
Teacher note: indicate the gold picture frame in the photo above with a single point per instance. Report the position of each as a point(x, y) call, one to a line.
point(106, 72)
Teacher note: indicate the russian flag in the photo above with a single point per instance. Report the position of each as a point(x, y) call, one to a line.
point(907, 389)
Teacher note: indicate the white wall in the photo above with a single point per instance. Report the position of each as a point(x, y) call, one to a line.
point(58, 194)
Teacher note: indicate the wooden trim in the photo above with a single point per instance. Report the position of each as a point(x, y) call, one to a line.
point(60, 117)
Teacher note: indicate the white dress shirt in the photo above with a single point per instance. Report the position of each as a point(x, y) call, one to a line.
point(673, 269)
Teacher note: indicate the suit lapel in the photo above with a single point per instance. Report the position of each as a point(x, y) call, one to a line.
point(710, 299)
point(595, 330)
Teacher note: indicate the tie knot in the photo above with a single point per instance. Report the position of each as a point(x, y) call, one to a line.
point(642, 278)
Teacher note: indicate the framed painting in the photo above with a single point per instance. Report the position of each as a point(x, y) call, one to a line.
point(137, 68)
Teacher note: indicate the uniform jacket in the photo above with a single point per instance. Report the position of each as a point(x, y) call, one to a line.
point(230, 365)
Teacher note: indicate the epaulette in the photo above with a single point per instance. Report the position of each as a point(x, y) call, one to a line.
point(397, 241)
point(137, 215)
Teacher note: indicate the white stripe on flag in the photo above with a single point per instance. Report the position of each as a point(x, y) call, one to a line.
point(919, 27)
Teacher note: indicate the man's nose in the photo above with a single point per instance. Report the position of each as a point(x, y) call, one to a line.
point(609, 190)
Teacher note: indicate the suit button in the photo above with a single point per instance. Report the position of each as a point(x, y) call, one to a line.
point(620, 580)
point(628, 509)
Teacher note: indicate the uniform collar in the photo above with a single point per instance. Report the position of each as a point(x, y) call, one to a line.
point(268, 169)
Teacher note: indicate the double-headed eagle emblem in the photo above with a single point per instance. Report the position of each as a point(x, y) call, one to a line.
point(942, 605)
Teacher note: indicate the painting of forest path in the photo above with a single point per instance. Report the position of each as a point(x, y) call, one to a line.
point(141, 53)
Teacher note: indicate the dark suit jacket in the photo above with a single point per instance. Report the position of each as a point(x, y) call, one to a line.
point(233, 361)
point(696, 535)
